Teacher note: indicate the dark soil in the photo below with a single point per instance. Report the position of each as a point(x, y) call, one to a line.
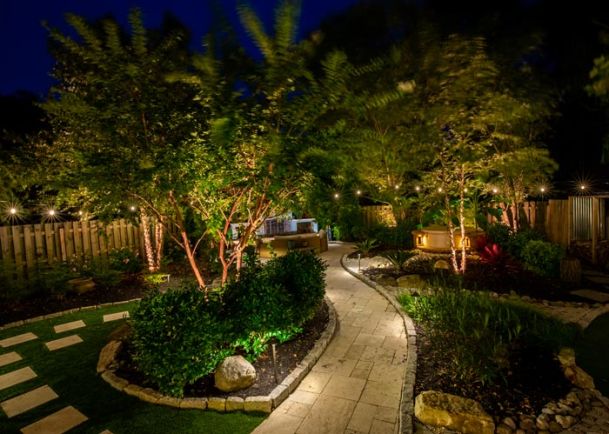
point(534, 380)
point(503, 279)
point(16, 310)
point(289, 354)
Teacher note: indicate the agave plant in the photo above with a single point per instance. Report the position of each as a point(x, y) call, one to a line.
point(366, 246)
point(398, 257)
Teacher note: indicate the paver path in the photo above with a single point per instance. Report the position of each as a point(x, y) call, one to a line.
point(356, 385)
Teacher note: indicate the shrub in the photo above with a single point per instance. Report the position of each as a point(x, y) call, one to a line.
point(274, 300)
point(542, 257)
point(398, 237)
point(520, 239)
point(480, 333)
point(178, 338)
point(124, 260)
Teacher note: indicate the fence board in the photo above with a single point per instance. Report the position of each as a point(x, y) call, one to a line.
point(39, 241)
point(49, 242)
point(29, 246)
point(17, 249)
point(77, 237)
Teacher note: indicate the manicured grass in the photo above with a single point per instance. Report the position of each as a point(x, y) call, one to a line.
point(70, 372)
point(593, 352)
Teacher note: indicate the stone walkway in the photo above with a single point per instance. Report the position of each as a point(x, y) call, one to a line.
point(356, 385)
point(60, 421)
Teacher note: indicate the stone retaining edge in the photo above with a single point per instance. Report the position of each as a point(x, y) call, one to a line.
point(14, 324)
point(406, 420)
point(258, 404)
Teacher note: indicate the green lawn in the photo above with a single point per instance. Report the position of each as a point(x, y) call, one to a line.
point(70, 372)
point(593, 352)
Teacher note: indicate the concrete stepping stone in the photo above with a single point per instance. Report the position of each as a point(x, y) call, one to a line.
point(116, 316)
point(16, 377)
point(60, 328)
point(56, 423)
point(22, 403)
point(602, 280)
point(19, 339)
point(600, 297)
point(63, 342)
point(8, 358)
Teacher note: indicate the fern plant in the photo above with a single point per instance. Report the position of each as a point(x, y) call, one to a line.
point(366, 246)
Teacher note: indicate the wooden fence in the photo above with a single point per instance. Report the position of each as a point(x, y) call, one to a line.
point(24, 247)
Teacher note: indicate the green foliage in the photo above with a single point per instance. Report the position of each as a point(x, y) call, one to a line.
point(480, 333)
point(366, 246)
point(542, 257)
point(179, 337)
point(518, 241)
point(398, 237)
point(125, 260)
point(398, 258)
point(499, 233)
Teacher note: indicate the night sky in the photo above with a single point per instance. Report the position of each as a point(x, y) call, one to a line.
point(23, 50)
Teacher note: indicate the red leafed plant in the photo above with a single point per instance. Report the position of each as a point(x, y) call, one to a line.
point(492, 254)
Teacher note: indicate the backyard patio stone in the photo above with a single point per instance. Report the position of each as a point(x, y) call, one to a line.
point(68, 341)
point(345, 387)
point(24, 402)
point(116, 316)
point(56, 423)
point(19, 339)
point(15, 377)
point(8, 358)
point(60, 328)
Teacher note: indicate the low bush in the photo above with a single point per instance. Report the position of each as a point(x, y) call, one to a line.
point(366, 246)
point(398, 258)
point(481, 333)
point(179, 337)
point(518, 241)
point(542, 257)
point(125, 261)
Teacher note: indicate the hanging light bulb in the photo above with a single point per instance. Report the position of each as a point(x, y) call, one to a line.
point(13, 211)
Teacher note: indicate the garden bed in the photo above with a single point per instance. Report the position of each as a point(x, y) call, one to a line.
point(16, 310)
point(534, 380)
point(289, 355)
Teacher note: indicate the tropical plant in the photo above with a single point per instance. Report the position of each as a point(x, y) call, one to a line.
point(398, 258)
point(366, 246)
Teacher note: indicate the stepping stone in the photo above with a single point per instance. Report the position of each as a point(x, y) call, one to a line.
point(69, 326)
point(8, 358)
point(116, 316)
point(16, 377)
point(63, 342)
point(600, 297)
point(19, 339)
point(56, 423)
point(602, 280)
point(106, 431)
point(27, 401)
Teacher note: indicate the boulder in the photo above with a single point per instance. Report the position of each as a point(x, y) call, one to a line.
point(386, 280)
point(566, 357)
point(234, 373)
point(453, 412)
point(441, 264)
point(411, 281)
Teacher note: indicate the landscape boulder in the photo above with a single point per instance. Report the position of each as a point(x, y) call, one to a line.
point(453, 412)
point(234, 373)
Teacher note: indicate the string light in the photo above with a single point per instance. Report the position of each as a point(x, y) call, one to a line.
point(79, 212)
point(542, 189)
point(495, 191)
point(132, 208)
point(397, 187)
point(465, 190)
point(582, 187)
point(335, 195)
point(417, 188)
point(51, 212)
point(358, 192)
point(13, 211)
point(439, 189)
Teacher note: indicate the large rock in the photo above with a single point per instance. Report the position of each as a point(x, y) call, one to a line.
point(234, 373)
point(411, 281)
point(453, 412)
point(578, 377)
point(566, 357)
point(385, 280)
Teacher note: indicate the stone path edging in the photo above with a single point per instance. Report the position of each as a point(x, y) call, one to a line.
point(264, 404)
point(406, 419)
point(14, 324)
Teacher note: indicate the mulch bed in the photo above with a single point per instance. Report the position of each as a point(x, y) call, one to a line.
point(289, 354)
point(534, 380)
point(16, 310)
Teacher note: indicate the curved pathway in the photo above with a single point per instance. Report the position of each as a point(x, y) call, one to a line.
point(356, 385)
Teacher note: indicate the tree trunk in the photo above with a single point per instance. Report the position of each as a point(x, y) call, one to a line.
point(462, 220)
